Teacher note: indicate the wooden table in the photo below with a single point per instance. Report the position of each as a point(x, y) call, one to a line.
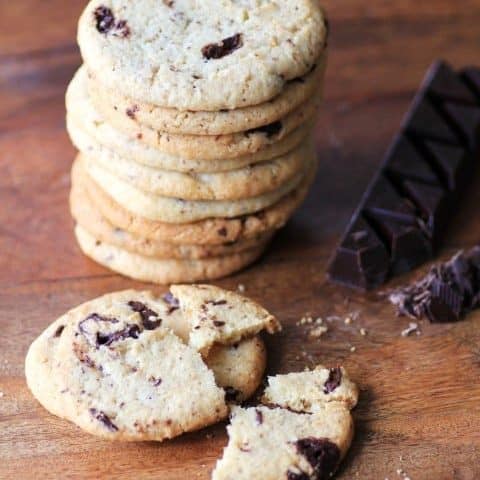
point(420, 396)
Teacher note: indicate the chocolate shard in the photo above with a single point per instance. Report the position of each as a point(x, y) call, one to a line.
point(433, 204)
point(467, 121)
point(471, 76)
point(454, 163)
point(408, 245)
point(425, 121)
point(361, 259)
point(445, 84)
point(405, 161)
point(445, 304)
point(383, 199)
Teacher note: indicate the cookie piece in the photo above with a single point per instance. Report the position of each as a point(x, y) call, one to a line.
point(90, 219)
point(177, 210)
point(250, 181)
point(210, 231)
point(201, 56)
point(171, 120)
point(308, 391)
point(217, 316)
point(110, 367)
point(274, 444)
point(90, 133)
point(163, 271)
point(208, 147)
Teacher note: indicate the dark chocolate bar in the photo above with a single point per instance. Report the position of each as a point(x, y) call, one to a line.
point(402, 216)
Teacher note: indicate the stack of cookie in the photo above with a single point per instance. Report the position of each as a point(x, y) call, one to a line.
point(193, 123)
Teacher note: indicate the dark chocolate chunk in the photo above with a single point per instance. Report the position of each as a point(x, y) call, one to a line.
point(104, 18)
point(106, 339)
point(258, 416)
point(447, 293)
point(231, 394)
point(269, 130)
point(58, 332)
point(361, 259)
point(156, 381)
point(424, 120)
point(103, 418)
point(445, 84)
point(322, 454)
point(218, 323)
point(222, 48)
point(147, 315)
point(216, 302)
point(466, 119)
point(454, 163)
point(172, 302)
point(471, 76)
point(333, 381)
point(405, 161)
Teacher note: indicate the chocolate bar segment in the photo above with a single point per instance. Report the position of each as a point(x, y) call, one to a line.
point(410, 200)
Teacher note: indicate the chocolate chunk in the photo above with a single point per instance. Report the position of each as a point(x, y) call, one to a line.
point(231, 394)
point(269, 130)
point(218, 323)
point(447, 293)
point(132, 111)
point(216, 302)
point(322, 454)
point(156, 381)
point(333, 381)
point(87, 329)
point(420, 182)
point(130, 331)
point(104, 18)
point(445, 84)
point(172, 302)
point(147, 314)
point(58, 332)
point(222, 48)
point(361, 259)
point(103, 418)
point(454, 163)
point(258, 416)
point(405, 161)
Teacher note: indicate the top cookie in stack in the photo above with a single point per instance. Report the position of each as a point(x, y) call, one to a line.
point(193, 123)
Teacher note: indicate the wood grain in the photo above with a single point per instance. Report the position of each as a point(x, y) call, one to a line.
point(420, 402)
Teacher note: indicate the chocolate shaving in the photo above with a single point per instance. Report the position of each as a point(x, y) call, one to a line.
point(147, 314)
point(103, 418)
point(446, 294)
point(333, 381)
point(222, 48)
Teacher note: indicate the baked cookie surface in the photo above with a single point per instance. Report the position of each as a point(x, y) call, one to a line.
point(201, 55)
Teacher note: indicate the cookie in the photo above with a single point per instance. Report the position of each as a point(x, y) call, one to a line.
point(219, 316)
point(201, 146)
point(171, 120)
point(201, 56)
point(112, 369)
point(177, 210)
point(308, 391)
point(163, 271)
point(249, 181)
point(113, 366)
point(205, 232)
point(90, 219)
point(272, 444)
point(90, 132)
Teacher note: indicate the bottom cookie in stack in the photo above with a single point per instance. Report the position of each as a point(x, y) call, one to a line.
point(160, 252)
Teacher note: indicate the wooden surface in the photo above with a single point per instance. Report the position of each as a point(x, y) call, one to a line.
point(420, 401)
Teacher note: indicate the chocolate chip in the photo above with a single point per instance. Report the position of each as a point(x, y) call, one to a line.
point(218, 323)
point(333, 381)
point(132, 111)
point(172, 301)
point(130, 331)
point(103, 418)
point(222, 48)
point(322, 454)
point(147, 314)
point(269, 130)
point(231, 394)
point(258, 416)
point(105, 23)
point(59, 331)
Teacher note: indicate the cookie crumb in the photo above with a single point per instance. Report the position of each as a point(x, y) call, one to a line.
point(353, 348)
point(241, 288)
point(412, 328)
point(347, 321)
point(317, 332)
point(363, 332)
